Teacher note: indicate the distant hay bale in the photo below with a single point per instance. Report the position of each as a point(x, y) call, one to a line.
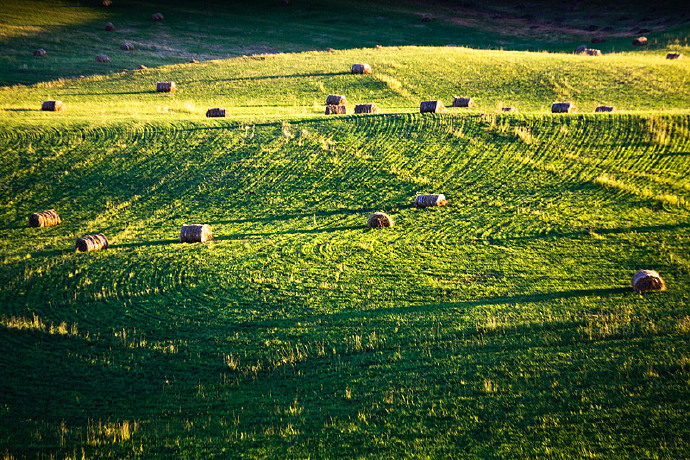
point(563, 107)
point(431, 107)
point(647, 280)
point(195, 233)
point(598, 39)
point(427, 201)
point(674, 56)
point(102, 58)
point(211, 113)
point(604, 108)
point(592, 52)
point(334, 99)
point(379, 219)
point(463, 102)
point(109, 27)
point(107, 3)
point(361, 69)
point(157, 17)
point(336, 110)
point(366, 108)
point(44, 219)
point(40, 52)
point(193, 61)
point(91, 243)
point(142, 67)
point(427, 17)
point(509, 109)
point(580, 49)
point(640, 41)
point(127, 46)
point(53, 106)
point(166, 87)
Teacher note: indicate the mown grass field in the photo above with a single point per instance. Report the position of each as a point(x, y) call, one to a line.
point(500, 326)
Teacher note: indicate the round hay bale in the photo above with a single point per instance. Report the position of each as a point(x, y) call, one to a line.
point(640, 41)
point(142, 67)
point(604, 108)
point(127, 46)
point(109, 27)
point(674, 56)
point(592, 52)
point(336, 110)
point(107, 3)
point(195, 233)
point(212, 113)
point(463, 102)
point(366, 108)
point(379, 219)
point(563, 107)
point(91, 243)
point(647, 280)
point(509, 109)
point(580, 49)
point(431, 107)
point(427, 201)
point(361, 69)
point(334, 99)
point(40, 52)
point(53, 106)
point(193, 61)
point(427, 17)
point(102, 58)
point(157, 17)
point(598, 39)
point(166, 87)
point(44, 219)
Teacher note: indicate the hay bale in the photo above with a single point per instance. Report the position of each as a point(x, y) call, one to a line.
point(640, 41)
point(563, 107)
point(366, 108)
point(157, 17)
point(427, 17)
point(509, 109)
point(142, 67)
point(91, 243)
point(53, 106)
point(336, 110)
point(379, 219)
point(580, 49)
point(361, 69)
point(102, 58)
point(334, 99)
point(604, 108)
point(598, 39)
point(427, 201)
point(40, 52)
point(165, 87)
point(431, 107)
point(463, 102)
point(195, 233)
point(44, 219)
point(674, 56)
point(107, 3)
point(193, 61)
point(127, 46)
point(212, 113)
point(592, 52)
point(109, 27)
point(647, 280)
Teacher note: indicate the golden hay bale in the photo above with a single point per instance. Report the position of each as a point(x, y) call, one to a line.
point(431, 107)
point(193, 61)
point(379, 219)
point(109, 27)
point(53, 106)
point(44, 219)
point(334, 99)
point(647, 280)
point(366, 108)
point(563, 107)
point(509, 109)
point(463, 102)
point(142, 67)
point(427, 201)
point(215, 113)
point(102, 58)
point(361, 69)
point(91, 243)
point(157, 17)
point(127, 46)
point(674, 56)
point(40, 52)
point(195, 233)
point(640, 41)
point(604, 108)
point(165, 87)
point(427, 17)
point(336, 110)
point(592, 52)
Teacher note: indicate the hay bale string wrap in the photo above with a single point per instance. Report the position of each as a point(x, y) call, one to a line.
point(428, 201)
point(44, 219)
point(361, 69)
point(195, 233)
point(379, 219)
point(431, 107)
point(166, 87)
point(366, 108)
point(53, 106)
point(216, 112)
point(647, 280)
point(463, 102)
point(336, 110)
point(604, 108)
point(563, 107)
point(674, 56)
point(102, 58)
point(91, 243)
point(335, 99)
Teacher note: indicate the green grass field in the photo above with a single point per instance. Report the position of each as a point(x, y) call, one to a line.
point(502, 325)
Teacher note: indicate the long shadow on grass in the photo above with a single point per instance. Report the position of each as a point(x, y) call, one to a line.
point(598, 231)
point(297, 75)
point(282, 217)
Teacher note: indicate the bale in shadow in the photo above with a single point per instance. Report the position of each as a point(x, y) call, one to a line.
point(431, 107)
point(335, 99)
point(563, 107)
point(336, 110)
point(215, 113)
point(604, 108)
point(463, 102)
point(53, 106)
point(166, 87)
point(366, 108)
point(379, 219)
